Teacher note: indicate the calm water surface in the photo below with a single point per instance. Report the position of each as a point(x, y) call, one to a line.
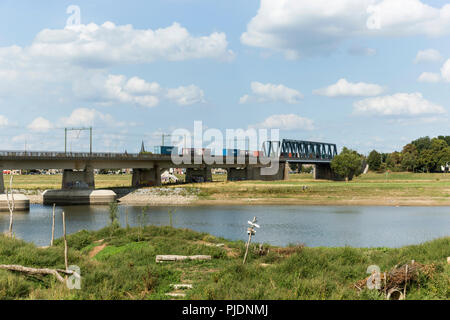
point(280, 225)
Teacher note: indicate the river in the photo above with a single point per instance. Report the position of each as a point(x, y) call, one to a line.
point(331, 226)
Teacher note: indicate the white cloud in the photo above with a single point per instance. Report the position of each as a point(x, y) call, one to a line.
point(40, 124)
point(186, 95)
point(299, 28)
point(271, 93)
point(445, 71)
point(429, 77)
point(111, 89)
point(400, 104)
point(139, 86)
point(286, 122)
point(343, 88)
point(429, 55)
point(3, 121)
point(138, 91)
point(72, 63)
point(432, 77)
point(390, 17)
point(108, 44)
point(89, 117)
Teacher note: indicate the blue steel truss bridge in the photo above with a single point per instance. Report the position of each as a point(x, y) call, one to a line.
point(299, 151)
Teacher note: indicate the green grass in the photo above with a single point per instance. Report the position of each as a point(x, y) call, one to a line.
point(43, 182)
point(402, 186)
point(126, 268)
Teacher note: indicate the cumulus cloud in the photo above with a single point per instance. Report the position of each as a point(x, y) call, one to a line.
point(135, 90)
point(112, 89)
point(79, 117)
point(429, 55)
point(108, 44)
point(432, 77)
point(429, 77)
point(299, 28)
point(400, 104)
point(184, 96)
point(89, 117)
point(271, 93)
point(288, 122)
point(343, 88)
point(74, 60)
point(40, 124)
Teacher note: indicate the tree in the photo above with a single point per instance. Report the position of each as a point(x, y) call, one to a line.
point(409, 157)
point(393, 161)
point(422, 143)
point(443, 158)
point(434, 157)
point(374, 160)
point(295, 167)
point(347, 164)
point(426, 160)
point(446, 139)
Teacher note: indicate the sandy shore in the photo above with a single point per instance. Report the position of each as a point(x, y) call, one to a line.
point(192, 200)
point(324, 202)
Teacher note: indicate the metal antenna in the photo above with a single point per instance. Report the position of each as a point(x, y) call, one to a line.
point(78, 136)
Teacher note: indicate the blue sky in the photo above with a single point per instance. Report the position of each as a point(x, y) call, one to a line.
point(315, 70)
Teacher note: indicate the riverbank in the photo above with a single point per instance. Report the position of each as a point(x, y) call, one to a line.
point(121, 264)
point(394, 189)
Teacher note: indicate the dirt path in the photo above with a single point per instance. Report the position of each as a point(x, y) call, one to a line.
point(96, 250)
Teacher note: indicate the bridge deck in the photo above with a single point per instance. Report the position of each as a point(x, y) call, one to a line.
point(78, 160)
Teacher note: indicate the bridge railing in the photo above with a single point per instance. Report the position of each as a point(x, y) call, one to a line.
point(54, 154)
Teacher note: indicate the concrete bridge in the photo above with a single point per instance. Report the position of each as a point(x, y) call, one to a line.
point(78, 168)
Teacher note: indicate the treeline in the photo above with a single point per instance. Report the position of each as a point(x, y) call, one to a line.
point(421, 155)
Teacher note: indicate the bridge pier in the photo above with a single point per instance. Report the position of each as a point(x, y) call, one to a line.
point(21, 202)
point(323, 171)
point(78, 187)
point(146, 177)
point(78, 179)
point(254, 173)
point(194, 175)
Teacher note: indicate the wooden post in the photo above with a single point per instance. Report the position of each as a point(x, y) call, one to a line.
point(53, 226)
point(65, 241)
point(251, 231)
point(11, 206)
point(246, 249)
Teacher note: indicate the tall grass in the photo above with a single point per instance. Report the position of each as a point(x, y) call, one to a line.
point(126, 268)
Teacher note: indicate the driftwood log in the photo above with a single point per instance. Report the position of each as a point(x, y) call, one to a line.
point(35, 271)
point(162, 258)
point(399, 277)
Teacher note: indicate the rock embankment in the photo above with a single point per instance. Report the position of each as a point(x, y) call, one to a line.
point(156, 196)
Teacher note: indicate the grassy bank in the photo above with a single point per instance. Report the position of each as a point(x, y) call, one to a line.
point(120, 264)
point(369, 189)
